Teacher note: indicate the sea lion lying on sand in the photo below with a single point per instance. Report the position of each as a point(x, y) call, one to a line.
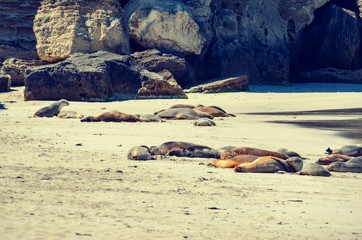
point(213, 111)
point(349, 150)
point(232, 162)
point(333, 158)
point(184, 149)
point(270, 164)
point(312, 169)
point(69, 114)
point(250, 151)
point(352, 165)
point(51, 110)
point(141, 152)
point(182, 113)
point(204, 122)
point(113, 116)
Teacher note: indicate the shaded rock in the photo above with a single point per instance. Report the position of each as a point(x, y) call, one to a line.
point(17, 39)
point(158, 87)
point(4, 82)
point(332, 40)
point(98, 76)
point(331, 75)
point(64, 27)
point(165, 25)
point(240, 83)
point(16, 68)
point(155, 61)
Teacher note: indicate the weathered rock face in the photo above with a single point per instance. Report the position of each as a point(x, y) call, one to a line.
point(331, 75)
point(234, 84)
point(155, 61)
point(97, 76)
point(4, 82)
point(164, 25)
point(17, 38)
point(158, 87)
point(63, 27)
point(16, 68)
point(332, 40)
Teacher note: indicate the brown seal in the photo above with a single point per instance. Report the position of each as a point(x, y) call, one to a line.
point(232, 162)
point(333, 158)
point(213, 111)
point(270, 164)
point(250, 151)
point(51, 110)
point(113, 116)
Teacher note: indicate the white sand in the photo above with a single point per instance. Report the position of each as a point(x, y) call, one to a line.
point(50, 188)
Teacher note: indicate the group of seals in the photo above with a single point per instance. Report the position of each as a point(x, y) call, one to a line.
point(347, 158)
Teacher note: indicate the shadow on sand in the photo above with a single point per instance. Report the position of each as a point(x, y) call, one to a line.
point(306, 88)
point(349, 128)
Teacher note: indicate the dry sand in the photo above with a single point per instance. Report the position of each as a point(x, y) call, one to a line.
point(63, 179)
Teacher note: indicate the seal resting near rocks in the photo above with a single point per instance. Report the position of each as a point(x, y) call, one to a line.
point(112, 116)
point(250, 151)
point(51, 110)
point(349, 150)
point(213, 111)
point(333, 158)
point(173, 148)
point(312, 169)
point(204, 122)
point(69, 114)
point(270, 164)
point(232, 162)
point(352, 165)
point(140, 152)
point(182, 113)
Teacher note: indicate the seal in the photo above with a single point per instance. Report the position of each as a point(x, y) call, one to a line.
point(182, 113)
point(51, 110)
point(204, 122)
point(289, 153)
point(333, 158)
point(69, 114)
point(250, 151)
point(349, 150)
point(113, 116)
point(180, 105)
point(149, 118)
point(312, 169)
point(173, 148)
point(140, 152)
point(213, 111)
point(232, 162)
point(352, 165)
point(270, 164)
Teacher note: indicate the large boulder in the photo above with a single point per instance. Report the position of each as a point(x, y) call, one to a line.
point(233, 84)
point(331, 75)
point(63, 27)
point(99, 76)
point(17, 39)
point(4, 82)
point(165, 25)
point(155, 61)
point(84, 77)
point(16, 68)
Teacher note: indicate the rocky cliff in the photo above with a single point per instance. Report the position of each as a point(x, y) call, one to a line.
point(272, 41)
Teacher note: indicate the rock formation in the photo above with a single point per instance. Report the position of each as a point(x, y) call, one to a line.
point(165, 25)
point(17, 39)
point(240, 83)
point(16, 68)
point(4, 82)
point(63, 27)
point(331, 75)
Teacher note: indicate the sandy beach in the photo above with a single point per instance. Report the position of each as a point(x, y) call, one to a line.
point(64, 179)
